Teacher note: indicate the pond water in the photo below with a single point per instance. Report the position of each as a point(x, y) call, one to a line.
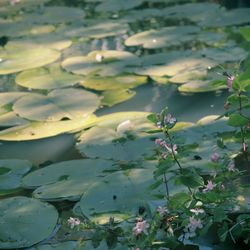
point(77, 77)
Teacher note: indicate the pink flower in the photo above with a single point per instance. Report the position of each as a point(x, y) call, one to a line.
point(171, 150)
point(210, 186)
point(169, 120)
point(214, 157)
point(230, 80)
point(73, 222)
point(141, 226)
point(192, 226)
point(14, 2)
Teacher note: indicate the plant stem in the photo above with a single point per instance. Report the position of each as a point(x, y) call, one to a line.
point(166, 185)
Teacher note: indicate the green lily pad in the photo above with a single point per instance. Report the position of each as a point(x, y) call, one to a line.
point(178, 66)
point(245, 32)
point(18, 59)
point(18, 28)
point(25, 222)
point(47, 78)
point(38, 130)
point(119, 137)
point(51, 41)
point(10, 119)
point(112, 97)
point(99, 30)
point(103, 63)
point(58, 104)
point(115, 82)
point(198, 86)
point(66, 180)
point(11, 173)
point(56, 14)
point(8, 98)
point(163, 37)
point(114, 6)
point(232, 17)
point(120, 195)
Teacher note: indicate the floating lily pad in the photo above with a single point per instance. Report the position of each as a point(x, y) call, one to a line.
point(25, 222)
point(38, 130)
point(58, 104)
point(120, 195)
point(100, 30)
point(111, 83)
point(178, 66)
point(51, 41)
point(47, 78)
point(114, 5)
point(110, 138)
point(245, 32)
point(18, 28)
point(163, 37)
point(8, 98)
point(56, 14)
point(197, 86)
point(11, 172)
point(10, 119)
point(18, 59)
point(104, 63)
point(112, 97)
point(66, 180)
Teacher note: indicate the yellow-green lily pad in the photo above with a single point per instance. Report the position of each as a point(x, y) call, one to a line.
point(57, 105)
point(39, 130)
point(21, 58)
point(115, 96)
point(113, 82)
point(51, 77)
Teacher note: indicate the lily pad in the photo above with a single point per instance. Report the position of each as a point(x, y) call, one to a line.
point(120, 195)
point(56, 14)
point(38, 130)
point(112, 97)
point(103, 63)
point(10, 119)
point(11, 173)
point(104, 29)
point(51, 41)
point(58, 104)
point(25, 222)
point(163, 37)
point(245, 32)
point(120, 138)
point(66, 180)
point(114, 5)
point(8, 98)
point(115, 82)
point(47, 78)
point(198, 86)
point(18, 59)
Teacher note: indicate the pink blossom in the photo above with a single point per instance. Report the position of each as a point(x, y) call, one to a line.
point(14, 2)
point(192, 226)
point(210, 186)
point(215, 157)
point(230, 80)
point(73, 222)
point(141, 226)
point(169, 119)
point(171, 150)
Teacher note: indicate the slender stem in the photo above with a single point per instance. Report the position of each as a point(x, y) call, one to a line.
point(166, 185)
point(171, 145)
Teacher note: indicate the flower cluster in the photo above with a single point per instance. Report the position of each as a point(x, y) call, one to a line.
point(141, 226)
point(168, 148)
point(73, 222)
point(192, 226)
point(167, 121)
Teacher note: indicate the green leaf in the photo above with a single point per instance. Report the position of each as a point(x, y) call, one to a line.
point(219, 214)
point(179, 200)
point(237, 120)
point(223, 231)
point(152, 118)
point(4, 170)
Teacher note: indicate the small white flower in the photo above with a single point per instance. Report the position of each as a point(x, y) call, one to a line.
point(124, 126)
point(98, 58)
point(154, 40)
point(197, 211)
